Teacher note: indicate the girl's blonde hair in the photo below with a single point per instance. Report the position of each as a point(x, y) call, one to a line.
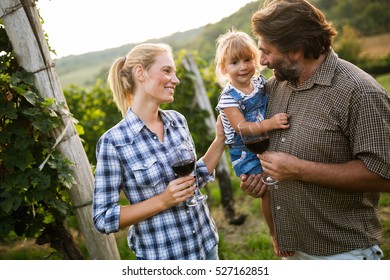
point(121, 74)
point(233, 44)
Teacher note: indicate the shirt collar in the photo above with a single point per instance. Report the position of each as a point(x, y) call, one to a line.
point(135, 124)
point(325, 72)
point(323, 75)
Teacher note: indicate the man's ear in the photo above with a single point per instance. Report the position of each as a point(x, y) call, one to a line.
point(296, 55)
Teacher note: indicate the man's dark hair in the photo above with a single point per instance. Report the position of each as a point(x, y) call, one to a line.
point(291, 25)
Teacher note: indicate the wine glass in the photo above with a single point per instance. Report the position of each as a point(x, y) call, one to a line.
point(257, 143)
point(184, 165)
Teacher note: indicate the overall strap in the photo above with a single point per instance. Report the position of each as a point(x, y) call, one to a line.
point(236, 96)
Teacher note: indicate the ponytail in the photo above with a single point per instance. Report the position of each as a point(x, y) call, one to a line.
point(120, 75)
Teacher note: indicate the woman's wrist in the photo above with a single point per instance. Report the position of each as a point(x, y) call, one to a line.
point(220, 139)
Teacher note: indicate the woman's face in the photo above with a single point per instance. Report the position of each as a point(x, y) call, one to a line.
point(160, 79)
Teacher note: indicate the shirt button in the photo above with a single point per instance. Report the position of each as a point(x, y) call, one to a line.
point(193, 231)
point(276, 187)
point(277, 207)
point(283, 140)
point(155, 137)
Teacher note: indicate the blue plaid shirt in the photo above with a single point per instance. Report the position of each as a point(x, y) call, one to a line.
point(132, 159)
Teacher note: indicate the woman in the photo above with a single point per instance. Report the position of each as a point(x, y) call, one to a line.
point(136, 155)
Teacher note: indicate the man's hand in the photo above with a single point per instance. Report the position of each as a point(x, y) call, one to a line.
point(280, 166)
point(252, 185)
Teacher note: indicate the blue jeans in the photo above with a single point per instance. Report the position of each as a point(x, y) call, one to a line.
point(213, 255)
point(371, 253)
point(244, 161)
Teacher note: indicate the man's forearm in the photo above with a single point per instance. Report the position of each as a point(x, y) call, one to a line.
point(349, 176)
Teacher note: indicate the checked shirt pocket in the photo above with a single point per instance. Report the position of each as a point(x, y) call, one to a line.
point(147, 172)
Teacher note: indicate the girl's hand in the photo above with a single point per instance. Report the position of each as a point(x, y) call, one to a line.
point(280, 121)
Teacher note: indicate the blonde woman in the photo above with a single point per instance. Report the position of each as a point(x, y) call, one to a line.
point(135, 157)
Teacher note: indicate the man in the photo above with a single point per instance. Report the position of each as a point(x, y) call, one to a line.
point(334, 160)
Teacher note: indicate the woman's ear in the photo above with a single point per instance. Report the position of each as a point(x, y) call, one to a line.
point(139, 73)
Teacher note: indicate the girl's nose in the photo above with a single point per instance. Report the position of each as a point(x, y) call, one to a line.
point(242, 64)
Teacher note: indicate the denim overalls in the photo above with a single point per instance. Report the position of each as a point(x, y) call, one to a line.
point(244, 161)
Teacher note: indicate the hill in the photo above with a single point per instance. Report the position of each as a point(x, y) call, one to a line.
point(85, 68)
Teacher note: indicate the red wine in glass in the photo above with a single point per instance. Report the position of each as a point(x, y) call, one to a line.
point(184, 168)
point(258, 146)
point(256, 143)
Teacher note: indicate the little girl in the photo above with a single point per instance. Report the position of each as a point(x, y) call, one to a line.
point(243, 99)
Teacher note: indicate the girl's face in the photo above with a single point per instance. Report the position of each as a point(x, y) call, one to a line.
point(240, 70)
point(160, 79)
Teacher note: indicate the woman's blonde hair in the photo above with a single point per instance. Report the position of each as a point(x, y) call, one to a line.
point(121, 74)
point(233, 44)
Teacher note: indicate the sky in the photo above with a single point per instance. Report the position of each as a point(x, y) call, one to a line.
point(81, 26)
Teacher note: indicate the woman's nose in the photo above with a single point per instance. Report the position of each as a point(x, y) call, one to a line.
point(175, 80)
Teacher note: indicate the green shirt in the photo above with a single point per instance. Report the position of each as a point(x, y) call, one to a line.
point(339, 114)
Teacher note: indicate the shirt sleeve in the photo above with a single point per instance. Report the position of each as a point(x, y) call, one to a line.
point(226, 101)
point(108, 179)
point(203, 173)
point(371, 131)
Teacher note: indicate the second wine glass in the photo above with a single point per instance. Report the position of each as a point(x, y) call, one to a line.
point(256, 142)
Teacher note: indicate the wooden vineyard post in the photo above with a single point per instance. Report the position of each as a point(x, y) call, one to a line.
point(23, 27)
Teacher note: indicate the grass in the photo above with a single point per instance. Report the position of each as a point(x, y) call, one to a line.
point(384, 80)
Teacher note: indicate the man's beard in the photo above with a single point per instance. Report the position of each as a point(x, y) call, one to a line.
point(287, 70)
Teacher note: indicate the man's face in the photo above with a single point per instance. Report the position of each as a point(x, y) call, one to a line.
point(285, 68)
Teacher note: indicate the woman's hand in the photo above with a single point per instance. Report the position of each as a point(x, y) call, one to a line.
point(178, 190)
